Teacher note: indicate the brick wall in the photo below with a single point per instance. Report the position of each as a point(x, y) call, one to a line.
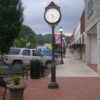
point(82, 24)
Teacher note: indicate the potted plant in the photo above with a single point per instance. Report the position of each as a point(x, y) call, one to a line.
point(16, 80)
point(16, 89)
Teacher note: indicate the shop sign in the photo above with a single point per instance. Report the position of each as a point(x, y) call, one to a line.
point(57, 38)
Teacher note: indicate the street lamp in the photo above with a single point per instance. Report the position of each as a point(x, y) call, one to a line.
point(61, 30)
point(52, 16)
point(63, 38)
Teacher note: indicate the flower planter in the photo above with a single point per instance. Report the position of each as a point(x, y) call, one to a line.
point(16, 91)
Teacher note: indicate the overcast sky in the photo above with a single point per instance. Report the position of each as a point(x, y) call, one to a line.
point(34, 14)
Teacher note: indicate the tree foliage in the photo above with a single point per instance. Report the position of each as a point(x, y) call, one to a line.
point(42, 39)
point(11, 18)
point(39, 39)
point(47, 38)
point(27, 36)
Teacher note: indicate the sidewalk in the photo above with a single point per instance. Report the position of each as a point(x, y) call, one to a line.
point(74, 68)
point(70, 88)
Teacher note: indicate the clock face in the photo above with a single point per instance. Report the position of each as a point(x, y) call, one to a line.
point(52, 15)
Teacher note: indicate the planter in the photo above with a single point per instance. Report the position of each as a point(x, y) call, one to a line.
point(16, 91)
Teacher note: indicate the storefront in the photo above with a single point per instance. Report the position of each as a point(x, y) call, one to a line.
point(78, 44)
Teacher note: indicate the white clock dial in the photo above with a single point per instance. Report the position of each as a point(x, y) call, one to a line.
point(52, 15)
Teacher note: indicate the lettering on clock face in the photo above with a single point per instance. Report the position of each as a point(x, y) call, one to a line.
point(52, 15)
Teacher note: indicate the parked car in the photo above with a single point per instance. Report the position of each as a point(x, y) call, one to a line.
point(25, 55)
point(47, 52)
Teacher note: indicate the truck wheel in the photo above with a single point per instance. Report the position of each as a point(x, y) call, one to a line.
point(48, 64)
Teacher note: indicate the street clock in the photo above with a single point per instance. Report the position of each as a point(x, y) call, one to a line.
point(52, 14)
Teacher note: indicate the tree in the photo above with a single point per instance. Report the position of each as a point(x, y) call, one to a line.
point(42, 39)
point(47, 38)
point(11, 18)
point(68, 39)
point(27, 35)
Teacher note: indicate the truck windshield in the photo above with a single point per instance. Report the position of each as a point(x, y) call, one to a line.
point(36, 53)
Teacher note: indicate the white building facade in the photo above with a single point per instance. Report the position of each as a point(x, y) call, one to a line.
point(92, 29)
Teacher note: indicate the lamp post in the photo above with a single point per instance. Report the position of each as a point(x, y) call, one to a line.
point(52, 16)
point(61, 30)
point(64, 45)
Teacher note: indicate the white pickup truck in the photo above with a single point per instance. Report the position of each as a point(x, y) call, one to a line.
point(25, 55)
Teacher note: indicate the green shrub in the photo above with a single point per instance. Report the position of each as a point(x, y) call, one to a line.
point(16, 80)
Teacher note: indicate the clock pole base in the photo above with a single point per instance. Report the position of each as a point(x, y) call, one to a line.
point(53, 85)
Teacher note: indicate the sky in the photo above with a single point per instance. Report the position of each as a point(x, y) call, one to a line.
point(71, 11)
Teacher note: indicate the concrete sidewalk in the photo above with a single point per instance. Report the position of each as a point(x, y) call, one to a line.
point(74, 68)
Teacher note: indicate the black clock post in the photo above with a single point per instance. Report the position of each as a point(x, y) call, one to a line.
point(52, 21)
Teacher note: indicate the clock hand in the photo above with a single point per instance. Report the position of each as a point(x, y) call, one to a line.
point(52, 15)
